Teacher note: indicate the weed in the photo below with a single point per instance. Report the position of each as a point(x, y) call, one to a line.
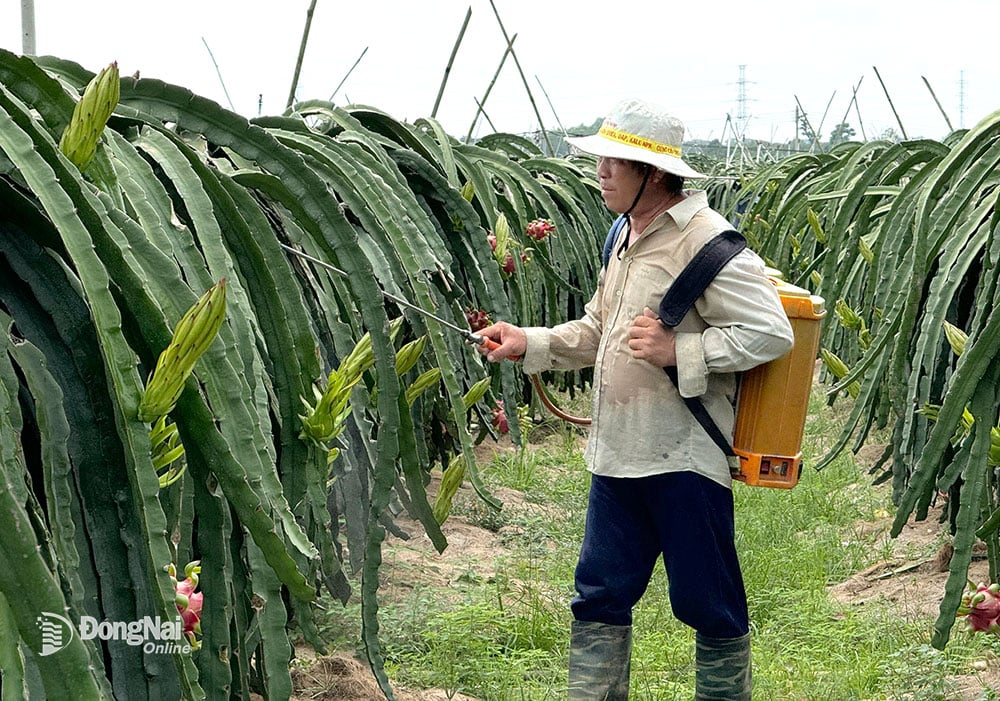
point(506, 637)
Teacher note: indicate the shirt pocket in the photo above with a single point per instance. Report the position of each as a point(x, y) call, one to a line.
point(645, 287)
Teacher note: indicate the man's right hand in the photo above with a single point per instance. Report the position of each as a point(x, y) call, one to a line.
point(512, 339)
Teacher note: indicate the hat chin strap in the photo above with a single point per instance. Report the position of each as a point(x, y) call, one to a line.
point(628, 212)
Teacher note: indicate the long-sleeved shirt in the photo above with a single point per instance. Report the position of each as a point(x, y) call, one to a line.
point(640, 424)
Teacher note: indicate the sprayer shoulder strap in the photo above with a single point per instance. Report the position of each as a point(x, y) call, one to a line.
point(609, 242)
point(692, 282)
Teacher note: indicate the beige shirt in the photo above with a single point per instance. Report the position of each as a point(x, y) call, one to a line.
point(640, 425)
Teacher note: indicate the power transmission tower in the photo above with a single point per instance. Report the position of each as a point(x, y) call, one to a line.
point(741, 100)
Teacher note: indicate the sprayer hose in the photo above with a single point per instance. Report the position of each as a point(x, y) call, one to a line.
point(546, 399)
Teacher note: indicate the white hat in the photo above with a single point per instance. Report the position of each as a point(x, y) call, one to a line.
point(638, 131)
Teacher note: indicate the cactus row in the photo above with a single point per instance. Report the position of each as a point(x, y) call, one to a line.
point(901, 238)
point(105, 250)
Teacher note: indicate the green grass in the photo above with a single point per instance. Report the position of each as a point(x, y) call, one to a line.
point(505, 637)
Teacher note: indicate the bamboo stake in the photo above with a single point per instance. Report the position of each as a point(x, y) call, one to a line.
point(485, 116)
point(218, 73)
point(480, 103)
point(551, 106)
point(531, 98)
point(815, 137)
point(347, 75)
point(302, 53)
point(451, 60)
point(857, 111)
point(891, 106)
point(852, 103)
point(938, 103)
point(822, 120)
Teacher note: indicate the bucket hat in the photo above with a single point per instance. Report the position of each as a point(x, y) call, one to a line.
point(638, 131)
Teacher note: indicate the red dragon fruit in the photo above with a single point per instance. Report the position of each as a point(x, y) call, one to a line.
point(507, 262)
point(188, 601)
point(539, 229)
point(500, 418)
point(477, 319)
point(981, 608)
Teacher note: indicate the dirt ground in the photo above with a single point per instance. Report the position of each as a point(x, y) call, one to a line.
point(914, 578)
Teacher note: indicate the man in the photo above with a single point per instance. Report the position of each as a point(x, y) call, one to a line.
point(659, 485)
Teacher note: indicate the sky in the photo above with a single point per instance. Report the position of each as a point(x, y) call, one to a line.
point(723, 68)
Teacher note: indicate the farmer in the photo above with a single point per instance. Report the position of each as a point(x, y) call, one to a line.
point(660, 485)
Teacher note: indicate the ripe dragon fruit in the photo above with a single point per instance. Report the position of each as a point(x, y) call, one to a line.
point(539, 229)
point(507, 262)
point(188, 601)
point(981, 608)
point(477, 319)
point(500, 418)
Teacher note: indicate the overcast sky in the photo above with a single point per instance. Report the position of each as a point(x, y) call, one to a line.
point(581, 57)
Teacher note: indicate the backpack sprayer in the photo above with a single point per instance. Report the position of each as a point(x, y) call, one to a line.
point(773, 398)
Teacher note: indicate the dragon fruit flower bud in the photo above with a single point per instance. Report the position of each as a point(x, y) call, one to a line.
point(79, 140)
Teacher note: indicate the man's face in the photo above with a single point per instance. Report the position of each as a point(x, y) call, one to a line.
point(620, 181)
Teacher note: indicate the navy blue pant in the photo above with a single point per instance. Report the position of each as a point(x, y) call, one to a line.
point(685, 517)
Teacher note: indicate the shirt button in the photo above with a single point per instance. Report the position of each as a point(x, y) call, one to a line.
point(618, 293)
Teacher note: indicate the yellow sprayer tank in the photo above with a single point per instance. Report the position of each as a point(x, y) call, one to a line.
point(774, 398)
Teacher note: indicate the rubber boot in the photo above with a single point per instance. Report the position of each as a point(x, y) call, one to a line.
point(722, 668)
point(599, 655)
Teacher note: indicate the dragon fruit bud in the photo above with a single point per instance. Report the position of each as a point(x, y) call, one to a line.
point(90, 116)
point(539, 229)
point(491, 237)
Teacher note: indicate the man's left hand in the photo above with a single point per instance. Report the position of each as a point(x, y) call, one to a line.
point(651, 340)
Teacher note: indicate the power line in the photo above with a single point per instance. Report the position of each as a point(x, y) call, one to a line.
point(961, 99)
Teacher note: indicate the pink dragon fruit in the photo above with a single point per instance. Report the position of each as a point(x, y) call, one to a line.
point(188, 601)
point(477, 319)
point(500, 418)
point(507, 264)
point(539, 229)
point(981, 608)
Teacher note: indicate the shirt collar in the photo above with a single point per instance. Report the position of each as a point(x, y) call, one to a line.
point(684, 211)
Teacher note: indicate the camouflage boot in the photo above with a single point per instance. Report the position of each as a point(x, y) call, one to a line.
point(722, 668)
point(599, 656)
